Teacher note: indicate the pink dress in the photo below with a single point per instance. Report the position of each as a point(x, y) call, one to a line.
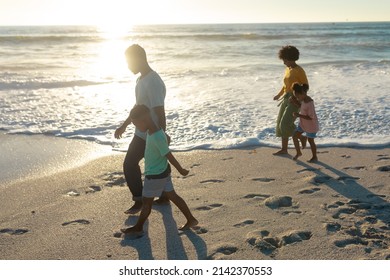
point(309, 126)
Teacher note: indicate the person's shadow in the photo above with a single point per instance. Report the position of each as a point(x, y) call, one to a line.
point(142, 244)
point(175, 248)
point(347, 186)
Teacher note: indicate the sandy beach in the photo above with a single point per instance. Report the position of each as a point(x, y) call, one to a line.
point(250, 204)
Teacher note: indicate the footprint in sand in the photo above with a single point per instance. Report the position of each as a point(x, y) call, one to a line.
point(200, 230)
point(212, 181)
point(228, 158)
point(332, 227)
point(342, 211)
point(357, 204)
point(244, 223)
point(268, 244)
point(371, 219)
point(355, 167)
point(385, 168)
point(336, 204)
point(257, 196)
point(322, 152)
point(383, 158)
point(195, 165)
point(317, 180)
point(209, 207)
point(346, 156)
point(347, 178)
point(381, 186)
point(308, 170)
point(350, 241)
point(80, 221)
point(275, 202)
point(197, 229)
point(13, 231)
point(222, 251)
point(289, 212)
point(93, 189)
point(309, 191)
point(115, 179)
point(118, 234)
point(264, 180)
point(73, 193)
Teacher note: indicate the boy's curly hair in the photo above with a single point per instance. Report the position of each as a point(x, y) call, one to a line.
point(138, 112)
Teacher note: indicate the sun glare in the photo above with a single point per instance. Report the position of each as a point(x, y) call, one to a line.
point(115, 30)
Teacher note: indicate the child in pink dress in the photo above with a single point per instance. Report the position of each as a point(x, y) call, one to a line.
point(308, 122)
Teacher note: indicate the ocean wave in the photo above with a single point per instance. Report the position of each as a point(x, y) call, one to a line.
point(253, 36)
point(34, 85)
point(216, 37)
point(45, 39)
point(370, 63)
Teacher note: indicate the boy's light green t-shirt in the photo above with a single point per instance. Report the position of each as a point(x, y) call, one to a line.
point(156, 150)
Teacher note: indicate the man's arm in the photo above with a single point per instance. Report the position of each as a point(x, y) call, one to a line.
point(162, 120)
point(120, 130)
point(176, 164)
point(160, 113)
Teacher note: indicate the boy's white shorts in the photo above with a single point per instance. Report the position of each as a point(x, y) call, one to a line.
point(155, 187)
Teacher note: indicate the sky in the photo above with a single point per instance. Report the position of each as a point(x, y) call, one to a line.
point(133, 12)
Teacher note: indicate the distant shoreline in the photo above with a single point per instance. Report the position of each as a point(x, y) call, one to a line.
point(197, 24)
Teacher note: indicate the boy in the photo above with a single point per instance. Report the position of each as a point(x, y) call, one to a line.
point(157, 171)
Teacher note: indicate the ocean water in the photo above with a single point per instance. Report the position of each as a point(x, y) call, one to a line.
point(73, 82)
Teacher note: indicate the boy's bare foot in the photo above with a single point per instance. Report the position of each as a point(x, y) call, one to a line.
point(303, 141)
point(281, 152)
point(189, 224)
point(133, 231)
point(297, 156)
point(313, 159)
point(135, 208)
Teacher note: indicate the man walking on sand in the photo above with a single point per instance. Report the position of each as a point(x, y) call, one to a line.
point(149, 91)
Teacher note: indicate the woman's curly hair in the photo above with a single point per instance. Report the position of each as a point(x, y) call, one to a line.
point(290, 53)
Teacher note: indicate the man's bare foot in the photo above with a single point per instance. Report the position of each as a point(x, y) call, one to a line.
point(133, 231)
point(135, 208)
point(189, 224)
point(281, 152)
point(297, 156)
point(161, 201)
point(313, 159)
point(303, 141)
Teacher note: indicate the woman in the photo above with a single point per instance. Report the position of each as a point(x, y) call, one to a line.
point(294, 73)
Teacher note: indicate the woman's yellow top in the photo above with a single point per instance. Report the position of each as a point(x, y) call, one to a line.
point(293, 75)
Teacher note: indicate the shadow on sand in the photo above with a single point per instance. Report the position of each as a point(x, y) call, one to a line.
point(174, 244)
point(360, 198)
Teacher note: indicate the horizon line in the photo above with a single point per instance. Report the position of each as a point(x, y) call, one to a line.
point(201, 23)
